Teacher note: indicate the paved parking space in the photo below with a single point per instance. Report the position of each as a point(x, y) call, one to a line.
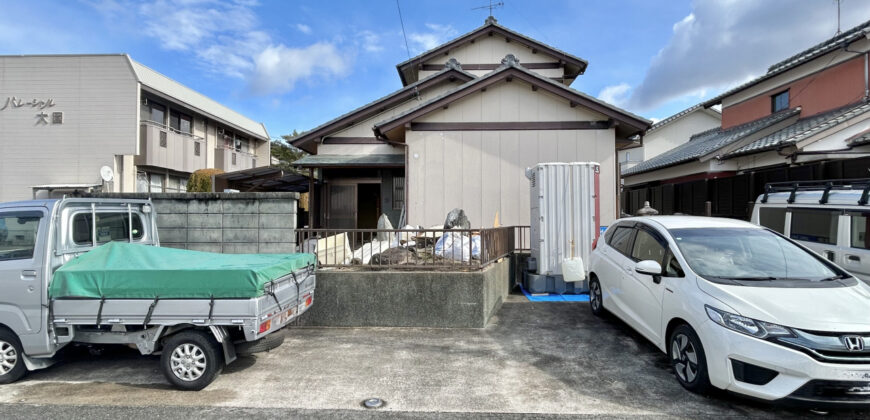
point(545, 358)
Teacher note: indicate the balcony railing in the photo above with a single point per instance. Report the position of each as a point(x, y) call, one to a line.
point(165, 147)
point(230, 159)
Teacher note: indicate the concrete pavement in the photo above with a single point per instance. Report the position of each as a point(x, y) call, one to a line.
point(551, 359)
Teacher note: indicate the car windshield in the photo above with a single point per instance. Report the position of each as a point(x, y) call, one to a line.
point(748, 254)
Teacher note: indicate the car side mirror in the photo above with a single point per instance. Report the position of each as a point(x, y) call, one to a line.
point(650, 268)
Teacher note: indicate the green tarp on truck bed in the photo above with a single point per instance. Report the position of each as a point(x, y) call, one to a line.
point(120, 270)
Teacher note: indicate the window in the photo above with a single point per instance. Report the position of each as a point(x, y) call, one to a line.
point(180, 122)
point(773, 218)
point(672, 266)
point(18, 232)
point(819, 226)
point(398, 192)
point(858, 233)
point(176, 184)
point(779, 101)
point(151, 111)
point(162, 139)
point(647, 247)
point(234, 158)
point(621, 239)
point(142, 182)
point(110, 227)
point(156, 184)
point(197, 148)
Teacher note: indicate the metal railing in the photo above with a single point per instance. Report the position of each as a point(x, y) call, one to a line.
point(172, 130)
point(413, 248)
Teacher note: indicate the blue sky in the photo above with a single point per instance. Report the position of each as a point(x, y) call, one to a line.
point(296, 64)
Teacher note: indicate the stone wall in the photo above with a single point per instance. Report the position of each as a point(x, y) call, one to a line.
point(236, 223)
point(436, 299)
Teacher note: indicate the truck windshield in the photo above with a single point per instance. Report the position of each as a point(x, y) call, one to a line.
point(748, 255)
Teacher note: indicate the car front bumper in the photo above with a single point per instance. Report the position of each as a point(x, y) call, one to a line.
point(800, 379)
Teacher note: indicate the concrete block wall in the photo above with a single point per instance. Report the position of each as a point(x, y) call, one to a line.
point(231, 223)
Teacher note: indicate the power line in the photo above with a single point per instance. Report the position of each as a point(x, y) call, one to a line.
point(402, 22)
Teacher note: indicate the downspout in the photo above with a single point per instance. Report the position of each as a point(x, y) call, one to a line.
point(866, 81)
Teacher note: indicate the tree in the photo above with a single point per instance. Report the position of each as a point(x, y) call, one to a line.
point(285, 152)
point(200, 180)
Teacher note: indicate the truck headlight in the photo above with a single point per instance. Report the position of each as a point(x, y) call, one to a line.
point(748, 326)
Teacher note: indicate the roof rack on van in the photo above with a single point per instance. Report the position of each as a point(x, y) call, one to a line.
point(822, 185)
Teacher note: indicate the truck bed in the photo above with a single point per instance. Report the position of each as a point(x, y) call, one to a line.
point(281, 303)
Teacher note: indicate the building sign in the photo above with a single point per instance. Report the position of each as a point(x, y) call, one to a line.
point(42, 117)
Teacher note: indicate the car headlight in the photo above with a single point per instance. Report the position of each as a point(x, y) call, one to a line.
point(748, 326)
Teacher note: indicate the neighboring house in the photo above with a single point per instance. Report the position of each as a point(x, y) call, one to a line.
point(473, 114)
point(669, 133)
point(807, 118)
point(64, 117)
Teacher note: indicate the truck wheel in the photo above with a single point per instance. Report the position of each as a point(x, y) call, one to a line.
point(11, 363)
point(191, 360)
point(269, 342)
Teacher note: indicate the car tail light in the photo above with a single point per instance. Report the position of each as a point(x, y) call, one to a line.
point(308, 301)
point(265, 326)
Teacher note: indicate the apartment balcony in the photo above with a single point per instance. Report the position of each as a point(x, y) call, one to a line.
point(230, 160)
point(164, 147)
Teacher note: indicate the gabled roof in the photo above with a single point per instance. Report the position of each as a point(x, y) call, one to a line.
point(511, 68)
point(452, 70)
point(802, 57)
point(575, 66)
point(802, 129)
point(706, 142)
point(681, 114)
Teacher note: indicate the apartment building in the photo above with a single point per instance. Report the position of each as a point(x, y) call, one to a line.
point(64, 119)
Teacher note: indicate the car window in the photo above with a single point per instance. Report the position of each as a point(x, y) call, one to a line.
point(110, 227)
point(860, 223)
point(672, 267)
point(773, 218)
point(621, 239)
point(647, 247)
point(819, 226)
point(18, 232)
point(748, 254)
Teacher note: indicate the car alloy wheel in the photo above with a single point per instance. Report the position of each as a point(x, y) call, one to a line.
point(8, 357)
point(188, 362)
point(595, 296)
point(685, 358)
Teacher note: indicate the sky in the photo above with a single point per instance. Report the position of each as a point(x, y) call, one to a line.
point(296, 64)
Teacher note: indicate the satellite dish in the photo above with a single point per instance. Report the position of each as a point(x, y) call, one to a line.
point(107, 174)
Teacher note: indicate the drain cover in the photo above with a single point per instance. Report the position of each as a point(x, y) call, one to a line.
point(373, 403)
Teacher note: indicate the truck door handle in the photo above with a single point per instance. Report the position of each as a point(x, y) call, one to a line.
point(28, 274)
point(853, 258)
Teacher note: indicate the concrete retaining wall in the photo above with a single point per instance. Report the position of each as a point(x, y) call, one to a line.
point(236, 223)
point(346, 298)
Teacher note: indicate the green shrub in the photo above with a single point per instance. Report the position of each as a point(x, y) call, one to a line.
point(200, 180)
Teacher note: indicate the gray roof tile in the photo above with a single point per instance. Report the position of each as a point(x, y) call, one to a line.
point(802, 129)
point(707, 142)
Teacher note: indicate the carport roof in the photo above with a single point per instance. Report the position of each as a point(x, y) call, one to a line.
point(352, 161)
point(708, 141)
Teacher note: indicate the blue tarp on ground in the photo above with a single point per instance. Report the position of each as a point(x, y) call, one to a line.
point(553, 297)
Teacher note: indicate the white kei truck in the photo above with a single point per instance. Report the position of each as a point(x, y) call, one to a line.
point(91, 271)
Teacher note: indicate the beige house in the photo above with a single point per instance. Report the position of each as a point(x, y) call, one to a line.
point(669, 133)
point(472, 115)
point(64, 117)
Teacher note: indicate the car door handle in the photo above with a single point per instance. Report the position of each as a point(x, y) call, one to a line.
point(853, 258)
point(28, 274)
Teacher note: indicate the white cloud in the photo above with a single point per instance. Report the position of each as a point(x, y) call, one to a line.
point(616, 94)
point(226, 38)
point(278, 68)
point(370, 41)
point(435, 36)
point(305, 29)
point(723, 43)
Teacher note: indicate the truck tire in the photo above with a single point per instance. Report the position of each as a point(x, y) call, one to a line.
point(266, 343)
point(191, 360)
point(11, 357)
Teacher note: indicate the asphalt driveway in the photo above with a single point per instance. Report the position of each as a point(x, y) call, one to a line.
point(548, 359)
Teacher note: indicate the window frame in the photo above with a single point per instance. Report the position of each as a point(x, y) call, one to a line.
point(858, 213)
point(775, 96)
point(35, 252)
point(835, 212)
point(630, 242)
point(79, 245)
point(653, 234)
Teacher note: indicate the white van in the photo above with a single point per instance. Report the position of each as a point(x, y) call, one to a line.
point(831, 218)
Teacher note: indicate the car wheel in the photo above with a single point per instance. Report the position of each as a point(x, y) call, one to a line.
point(688, 359)
point(191, 360)
point(596, 300)
point(11, 358)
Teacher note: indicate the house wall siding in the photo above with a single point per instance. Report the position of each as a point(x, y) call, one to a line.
point(98, 96)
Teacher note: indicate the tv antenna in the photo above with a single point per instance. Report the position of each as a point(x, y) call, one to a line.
point(838, 17)
point(492, 5)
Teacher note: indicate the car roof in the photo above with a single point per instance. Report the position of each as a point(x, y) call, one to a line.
point(29, 203)
point(835, 197)
point(687, 222)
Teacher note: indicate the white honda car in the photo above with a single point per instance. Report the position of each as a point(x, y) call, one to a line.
point(738, 307)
